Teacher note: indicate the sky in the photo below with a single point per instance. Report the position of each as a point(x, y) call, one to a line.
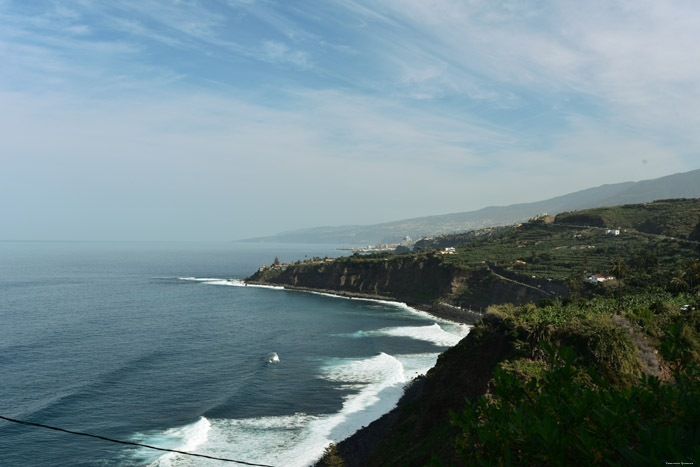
point(203, 120)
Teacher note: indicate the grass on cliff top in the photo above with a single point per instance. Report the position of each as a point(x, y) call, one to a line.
point(599, 330)
point(568, 414)
point(672, 217)
point(571, 390)
point(578, 389)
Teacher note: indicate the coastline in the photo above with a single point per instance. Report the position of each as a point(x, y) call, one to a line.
point(356, 449)
point(441, 311)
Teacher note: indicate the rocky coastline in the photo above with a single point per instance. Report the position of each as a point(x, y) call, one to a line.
point(438, 310)
point(358, 449)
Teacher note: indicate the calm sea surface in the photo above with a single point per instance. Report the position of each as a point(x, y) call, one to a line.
point(147, 342)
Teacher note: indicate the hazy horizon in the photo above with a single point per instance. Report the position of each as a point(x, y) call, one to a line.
point(216, 121)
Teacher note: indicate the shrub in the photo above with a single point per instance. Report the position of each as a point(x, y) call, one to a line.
point(572, 415)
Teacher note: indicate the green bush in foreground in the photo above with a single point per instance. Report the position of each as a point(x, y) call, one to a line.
point(331, 457)
point(571, 415)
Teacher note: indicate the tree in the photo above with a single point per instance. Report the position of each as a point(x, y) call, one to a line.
point(691, 274)
point(574, 282)
point(276, 262)
point(689, 278)
point(619, 269)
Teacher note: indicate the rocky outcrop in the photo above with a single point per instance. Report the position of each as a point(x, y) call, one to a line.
point(425, 281)
point(408, 278)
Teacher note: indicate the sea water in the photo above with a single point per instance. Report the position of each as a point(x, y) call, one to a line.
point(162, 344)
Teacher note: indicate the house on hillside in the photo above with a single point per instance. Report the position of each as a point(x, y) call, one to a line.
point(612, 232)
point(598, 278)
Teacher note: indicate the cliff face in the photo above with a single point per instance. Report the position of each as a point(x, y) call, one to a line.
point(423, 429)
point(410, 278)
point(414, 279)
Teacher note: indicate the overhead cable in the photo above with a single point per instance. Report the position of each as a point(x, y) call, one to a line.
point(129, 443)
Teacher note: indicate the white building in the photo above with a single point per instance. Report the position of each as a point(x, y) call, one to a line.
point(598, 278)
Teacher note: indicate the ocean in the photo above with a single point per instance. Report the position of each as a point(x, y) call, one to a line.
point(153, 343)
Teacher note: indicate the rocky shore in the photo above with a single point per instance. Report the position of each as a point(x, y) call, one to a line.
point(439, 310)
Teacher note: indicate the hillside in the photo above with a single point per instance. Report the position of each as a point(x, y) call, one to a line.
point(548, 347)
point(559, 384)
point(682, 185)
point(670, 217)
point(521, 264)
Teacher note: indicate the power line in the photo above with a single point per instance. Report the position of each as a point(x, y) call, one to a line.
point(22, 422)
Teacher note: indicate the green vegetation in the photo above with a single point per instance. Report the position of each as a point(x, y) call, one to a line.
point(331, 457)
point(608, 375)
point(558, 251)
point(671, 217)
point(577, 384)
point(529, 262)
point(460, 239)
point(568, 372)
point(569, 414)
point(695, 234)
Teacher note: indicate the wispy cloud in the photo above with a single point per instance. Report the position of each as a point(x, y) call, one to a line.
point(430, 107)
point(635, 58)
point(276, 52)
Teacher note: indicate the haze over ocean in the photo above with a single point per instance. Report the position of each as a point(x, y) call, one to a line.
point(146, 342)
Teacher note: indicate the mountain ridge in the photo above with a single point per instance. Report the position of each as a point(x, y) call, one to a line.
point(680, 185)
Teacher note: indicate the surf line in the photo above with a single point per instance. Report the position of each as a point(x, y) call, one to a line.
point(129, 443)
point(361, 297)
point(468, 320)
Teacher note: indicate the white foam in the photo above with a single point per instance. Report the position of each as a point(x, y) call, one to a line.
point(433, 333)
point(241, 283)
point(417, 364)
point(402, 305)
point(199, 279)
point(273, 287)
point(272, 357)
point(228, 282)
point(298, 440)
point(383, 367)
point(187, 438)
point(371, 300)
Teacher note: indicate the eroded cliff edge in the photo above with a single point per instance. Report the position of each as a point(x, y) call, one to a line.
point(425, 281)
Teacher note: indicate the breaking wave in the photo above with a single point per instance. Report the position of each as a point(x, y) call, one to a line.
point(293, 440)
point(433, 333)
point(228, 282)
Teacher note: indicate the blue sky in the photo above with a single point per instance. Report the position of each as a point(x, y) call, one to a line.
point(217, 120)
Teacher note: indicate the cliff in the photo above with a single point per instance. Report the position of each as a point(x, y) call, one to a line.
point(408, 278)
point(426, 281)
point(522, 384)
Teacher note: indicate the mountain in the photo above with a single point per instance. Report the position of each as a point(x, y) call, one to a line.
point(682, 185)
